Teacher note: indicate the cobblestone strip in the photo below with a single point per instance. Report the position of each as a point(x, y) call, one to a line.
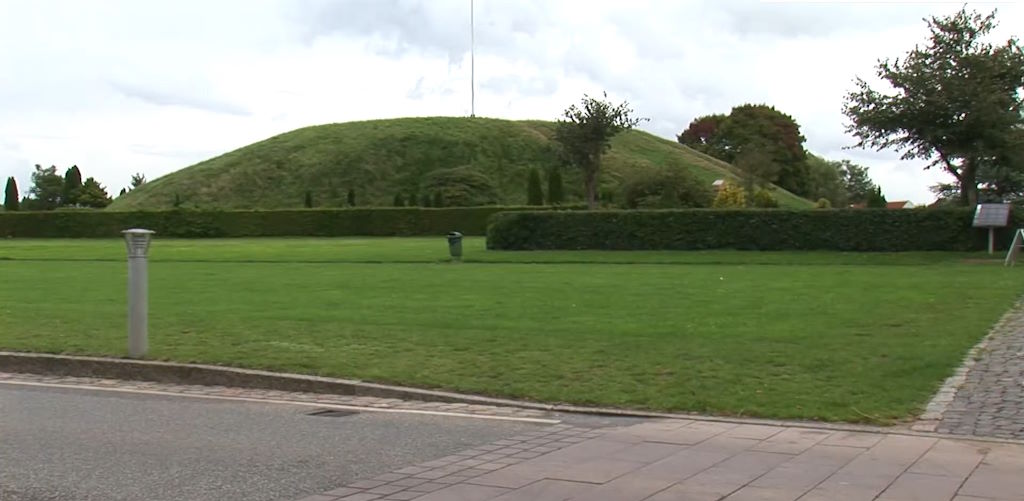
point(309, 398)
point(985, 396)
point(421, 479)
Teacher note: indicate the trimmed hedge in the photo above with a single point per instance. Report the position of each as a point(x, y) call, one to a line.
point(841, 229)
point(398, 221)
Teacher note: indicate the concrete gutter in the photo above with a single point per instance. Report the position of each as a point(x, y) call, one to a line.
point(213, 375)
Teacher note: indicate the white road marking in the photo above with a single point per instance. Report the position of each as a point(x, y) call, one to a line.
point(284, 402)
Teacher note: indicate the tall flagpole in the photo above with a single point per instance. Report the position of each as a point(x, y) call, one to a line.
point(472, 63)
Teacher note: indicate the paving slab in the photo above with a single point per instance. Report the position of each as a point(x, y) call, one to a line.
point(663, 460)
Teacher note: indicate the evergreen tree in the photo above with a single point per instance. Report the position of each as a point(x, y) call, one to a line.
point(351, 197)
point(534, 192)
point(438, 199)
point(413, 200)
point(11, 202)
point(92, 194)
point(425, 202)
point(398, 202)
point(309, 200)
point(123, 191)
point(556, 195)
point(876, 200)
point(72, 187)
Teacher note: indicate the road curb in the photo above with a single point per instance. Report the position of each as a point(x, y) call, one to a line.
point(214, 375)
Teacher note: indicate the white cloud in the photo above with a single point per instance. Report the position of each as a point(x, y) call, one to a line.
point(118, 86)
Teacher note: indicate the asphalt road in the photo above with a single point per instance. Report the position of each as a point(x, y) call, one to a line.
point(58, 444)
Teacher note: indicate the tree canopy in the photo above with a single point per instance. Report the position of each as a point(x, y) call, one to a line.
point(47, 188)
point(954, 102)
point(586, 133)
point(767, 140)
point(93, 195)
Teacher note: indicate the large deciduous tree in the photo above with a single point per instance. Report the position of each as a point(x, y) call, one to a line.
point(11, 200)
point(826, 181)
point(47, 188)
point(702, 132)
point(955, 102)
point(754, 131)
point(586, 133)
point(858, 185)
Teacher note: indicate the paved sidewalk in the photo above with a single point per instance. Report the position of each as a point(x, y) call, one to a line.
point(667, 460)
point(988, 398)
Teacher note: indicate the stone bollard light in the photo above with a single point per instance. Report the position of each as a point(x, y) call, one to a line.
point(137, 241)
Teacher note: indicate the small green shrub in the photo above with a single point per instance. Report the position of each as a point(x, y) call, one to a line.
point(822, 203)
point(665, 189)
point(730, 196)
point(764, 199)
point(461, 187)
point(534, 192)
point(556, 191)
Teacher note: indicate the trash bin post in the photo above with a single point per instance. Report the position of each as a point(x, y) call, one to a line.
point(455, 245)
point(137, 241)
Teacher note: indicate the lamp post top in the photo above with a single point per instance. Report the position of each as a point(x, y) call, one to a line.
point(138, 231)
point(137, 240)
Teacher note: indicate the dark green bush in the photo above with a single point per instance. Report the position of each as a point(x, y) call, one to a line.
point(764, 199)
point(277, 223)
point(665, 189)
point(828, 229)
point(534, 192)
point(463, 186)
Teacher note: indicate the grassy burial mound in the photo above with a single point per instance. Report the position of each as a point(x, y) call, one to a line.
point(457, 161)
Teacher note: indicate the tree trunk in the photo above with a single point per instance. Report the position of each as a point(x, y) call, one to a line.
point(590, 179)
point(969, 183)
point(590, 186)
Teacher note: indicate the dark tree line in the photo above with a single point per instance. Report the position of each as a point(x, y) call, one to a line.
point(767, 147)
point(50, 191)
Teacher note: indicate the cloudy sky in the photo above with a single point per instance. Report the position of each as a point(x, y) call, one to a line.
point(119, 87)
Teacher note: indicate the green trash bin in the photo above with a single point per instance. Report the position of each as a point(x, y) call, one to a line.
point(455, 245)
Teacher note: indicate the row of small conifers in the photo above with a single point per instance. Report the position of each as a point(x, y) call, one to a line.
point(518, 228)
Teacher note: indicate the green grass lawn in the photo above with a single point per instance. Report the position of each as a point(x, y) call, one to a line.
point(833, 336)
